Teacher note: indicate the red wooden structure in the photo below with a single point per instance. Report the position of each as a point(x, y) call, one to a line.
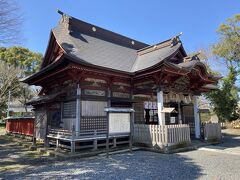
point(20, 125)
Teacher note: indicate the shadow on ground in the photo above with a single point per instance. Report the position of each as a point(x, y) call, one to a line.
point(230, 144)
point(138, 165)
point(230, 141)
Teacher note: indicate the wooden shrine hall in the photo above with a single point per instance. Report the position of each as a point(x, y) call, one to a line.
point(87, 68)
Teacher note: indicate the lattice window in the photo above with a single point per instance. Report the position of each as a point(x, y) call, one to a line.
point(93, 115)
point(93, 123)
point(69, 109)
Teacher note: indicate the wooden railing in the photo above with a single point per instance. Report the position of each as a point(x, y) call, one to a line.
point(212, 131)
point(74, 134)
point(161, 136)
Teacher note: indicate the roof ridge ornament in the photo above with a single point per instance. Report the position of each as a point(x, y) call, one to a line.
point(65, 19)
point(195, 56)
point(175, 40)
point(60, 12)
point(192, 57)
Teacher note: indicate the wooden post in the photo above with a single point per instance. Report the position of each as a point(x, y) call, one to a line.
point(132, 118)
point(72, 147)
point(107, 143)
point(114, 142)
point(109, 105)
point(161, 116)
point(179, 113)
point(196, 117)
point(131, 131)
point(34, 131)
point(78, 111)
point(95, 140)
point(57, 143)
point(109, 97)
point(47, 126)
point(46, 143)
point(73, 142)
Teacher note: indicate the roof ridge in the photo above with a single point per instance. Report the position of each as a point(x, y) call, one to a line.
point(92, 29)
point(172, 41)
point(153, 45)
point(174, 48)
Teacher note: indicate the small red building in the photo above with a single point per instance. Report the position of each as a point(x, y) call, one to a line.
point(20, 125)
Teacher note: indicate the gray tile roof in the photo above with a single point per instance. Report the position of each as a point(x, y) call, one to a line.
point(105, 48)
point(43, 99)
point(191, 64)
point(85, 43)
point(152, 58)
point(89, 49)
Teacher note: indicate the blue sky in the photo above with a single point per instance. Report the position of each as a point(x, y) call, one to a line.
point(150, 21)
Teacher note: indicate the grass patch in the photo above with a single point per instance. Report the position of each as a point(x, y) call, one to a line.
point(33, 155)
point(2, 130)
point(7, 137)
point(15, 167)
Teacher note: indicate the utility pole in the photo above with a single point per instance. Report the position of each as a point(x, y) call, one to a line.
point(9, 96)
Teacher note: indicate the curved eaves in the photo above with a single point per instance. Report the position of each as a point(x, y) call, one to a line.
point(190, 65)
point(155, 58)
point(42, 71)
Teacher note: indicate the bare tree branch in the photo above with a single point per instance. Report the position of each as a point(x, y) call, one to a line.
point(8, 82)
point(10, 22)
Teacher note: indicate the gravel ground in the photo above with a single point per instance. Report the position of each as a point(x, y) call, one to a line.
point(138, 165)
point(199, 164)
point(229, 140)
point(230, 145)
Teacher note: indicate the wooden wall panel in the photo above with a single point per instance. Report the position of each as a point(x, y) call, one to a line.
point(93, 108)
point(67, 123)
point(40, 122)
point(139, 113)
point(188, 115)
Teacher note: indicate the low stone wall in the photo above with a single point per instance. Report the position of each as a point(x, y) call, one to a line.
point(212, 132)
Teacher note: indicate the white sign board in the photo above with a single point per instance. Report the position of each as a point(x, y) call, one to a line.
point(150, 105)
point(119, 123)
point(172, 119)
